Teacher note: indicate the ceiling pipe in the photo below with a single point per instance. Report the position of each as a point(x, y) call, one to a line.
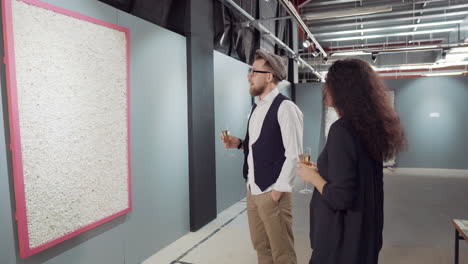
point(268, 33)
point(293, 12)
point(399, 47)
point(304, 3)
point(414, 43)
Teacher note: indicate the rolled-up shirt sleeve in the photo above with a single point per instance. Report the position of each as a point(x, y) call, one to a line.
point(291, 122)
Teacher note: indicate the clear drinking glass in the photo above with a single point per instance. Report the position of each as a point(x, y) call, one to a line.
point(306, 159)
point(226, 133)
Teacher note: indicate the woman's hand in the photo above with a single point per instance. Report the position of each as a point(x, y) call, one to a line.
point(311, 174)
point(306, 172)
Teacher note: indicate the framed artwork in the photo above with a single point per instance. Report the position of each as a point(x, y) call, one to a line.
point(68, 88)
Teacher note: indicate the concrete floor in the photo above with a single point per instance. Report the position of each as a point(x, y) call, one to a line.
point(419, 206)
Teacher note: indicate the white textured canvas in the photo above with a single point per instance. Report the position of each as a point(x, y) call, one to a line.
point(72, 100)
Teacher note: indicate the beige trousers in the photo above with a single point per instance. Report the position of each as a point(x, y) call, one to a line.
point(270, 226)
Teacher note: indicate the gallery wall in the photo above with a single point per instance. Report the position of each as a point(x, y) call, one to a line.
point(159, 154)
point(232, 107)
point(309, 100)
point(433, 142)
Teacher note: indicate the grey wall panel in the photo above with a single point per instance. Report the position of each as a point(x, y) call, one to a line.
point(159, 155)
point(159, 138)
point(397, 58)
point(202, 168)
point(433, 142)
point(7, 241)
point(232, 107)
point(309, 100)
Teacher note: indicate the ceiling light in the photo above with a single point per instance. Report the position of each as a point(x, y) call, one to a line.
point(369, 50)
point(393, 35)
point(421, 47)
point(442, 65)
point(419, 41)
point(451, 57)
point(350, 12)
point(390, 28)
point(306, 43)
point(434, 115)
point(423, 66)
point(351, 53)
point(459, 50)
point(432, 74)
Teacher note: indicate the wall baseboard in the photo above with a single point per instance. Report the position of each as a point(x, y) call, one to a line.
point(437, 172)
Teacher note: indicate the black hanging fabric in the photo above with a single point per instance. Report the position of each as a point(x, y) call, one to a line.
point(169, 14)
point(232, 34)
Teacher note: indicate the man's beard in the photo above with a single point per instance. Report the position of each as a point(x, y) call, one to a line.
point(254, 92)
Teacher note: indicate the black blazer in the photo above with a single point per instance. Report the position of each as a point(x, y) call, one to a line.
point(346, 220)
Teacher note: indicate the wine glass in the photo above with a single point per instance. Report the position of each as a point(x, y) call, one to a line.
point(226, 134)
point(306, 159)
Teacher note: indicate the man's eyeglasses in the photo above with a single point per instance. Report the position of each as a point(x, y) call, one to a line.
point(252, 71)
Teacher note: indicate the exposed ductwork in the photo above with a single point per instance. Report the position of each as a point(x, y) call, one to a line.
point(415, 33)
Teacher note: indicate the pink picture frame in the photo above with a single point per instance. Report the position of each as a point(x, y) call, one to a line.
point(15, 146)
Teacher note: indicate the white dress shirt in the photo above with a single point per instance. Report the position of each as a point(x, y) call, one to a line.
point(290, 119)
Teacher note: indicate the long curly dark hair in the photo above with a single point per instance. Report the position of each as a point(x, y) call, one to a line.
point(360, 96)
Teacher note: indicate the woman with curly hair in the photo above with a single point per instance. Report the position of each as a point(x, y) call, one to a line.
point(346, 210)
